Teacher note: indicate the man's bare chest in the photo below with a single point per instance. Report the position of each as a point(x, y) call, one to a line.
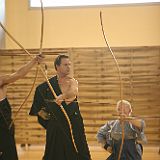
point(64, 85)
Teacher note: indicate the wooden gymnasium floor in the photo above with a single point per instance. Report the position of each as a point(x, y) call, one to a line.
point(36, 152)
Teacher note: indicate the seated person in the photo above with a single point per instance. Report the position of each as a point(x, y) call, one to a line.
point(110, 135)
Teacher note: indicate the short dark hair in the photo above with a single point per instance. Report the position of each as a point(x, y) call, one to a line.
point(58, 59)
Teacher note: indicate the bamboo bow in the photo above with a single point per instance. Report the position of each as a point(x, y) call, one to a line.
point(43, 72)
point(120, 79)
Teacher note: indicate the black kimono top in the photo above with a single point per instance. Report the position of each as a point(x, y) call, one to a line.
point(58, 132)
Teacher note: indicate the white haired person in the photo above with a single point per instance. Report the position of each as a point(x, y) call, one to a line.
point(110, 135)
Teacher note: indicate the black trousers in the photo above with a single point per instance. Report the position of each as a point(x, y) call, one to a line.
point(131, 150)
point(7, 144)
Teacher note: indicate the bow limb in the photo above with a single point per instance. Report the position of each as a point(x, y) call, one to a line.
point(113, 56)
point(51, 88)
point(25, 100)
point(26, 51)
point(5, 30)
point(40, 51)
point(45, 76)
point(121, 83)
point(122, 140)
point(29, 54)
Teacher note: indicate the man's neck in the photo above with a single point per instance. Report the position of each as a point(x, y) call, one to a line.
point(61, 76)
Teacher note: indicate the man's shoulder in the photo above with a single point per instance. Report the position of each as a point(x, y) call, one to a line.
point(73, 80)
point(44, 85)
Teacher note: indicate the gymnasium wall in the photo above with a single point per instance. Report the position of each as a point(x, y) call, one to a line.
point(136, 25)
point(99, 87)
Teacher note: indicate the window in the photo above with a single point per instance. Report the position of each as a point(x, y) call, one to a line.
point(83, 3)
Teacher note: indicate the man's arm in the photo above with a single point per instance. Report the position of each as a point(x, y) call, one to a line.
point(137, 123)
point(139, 126)
point(7, 79)
point(103, 136)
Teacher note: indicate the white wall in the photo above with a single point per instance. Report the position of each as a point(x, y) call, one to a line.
point(80, 27)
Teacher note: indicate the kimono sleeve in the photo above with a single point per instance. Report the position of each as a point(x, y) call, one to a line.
point(103, 135)
point(37, 103)
point(140, 132)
